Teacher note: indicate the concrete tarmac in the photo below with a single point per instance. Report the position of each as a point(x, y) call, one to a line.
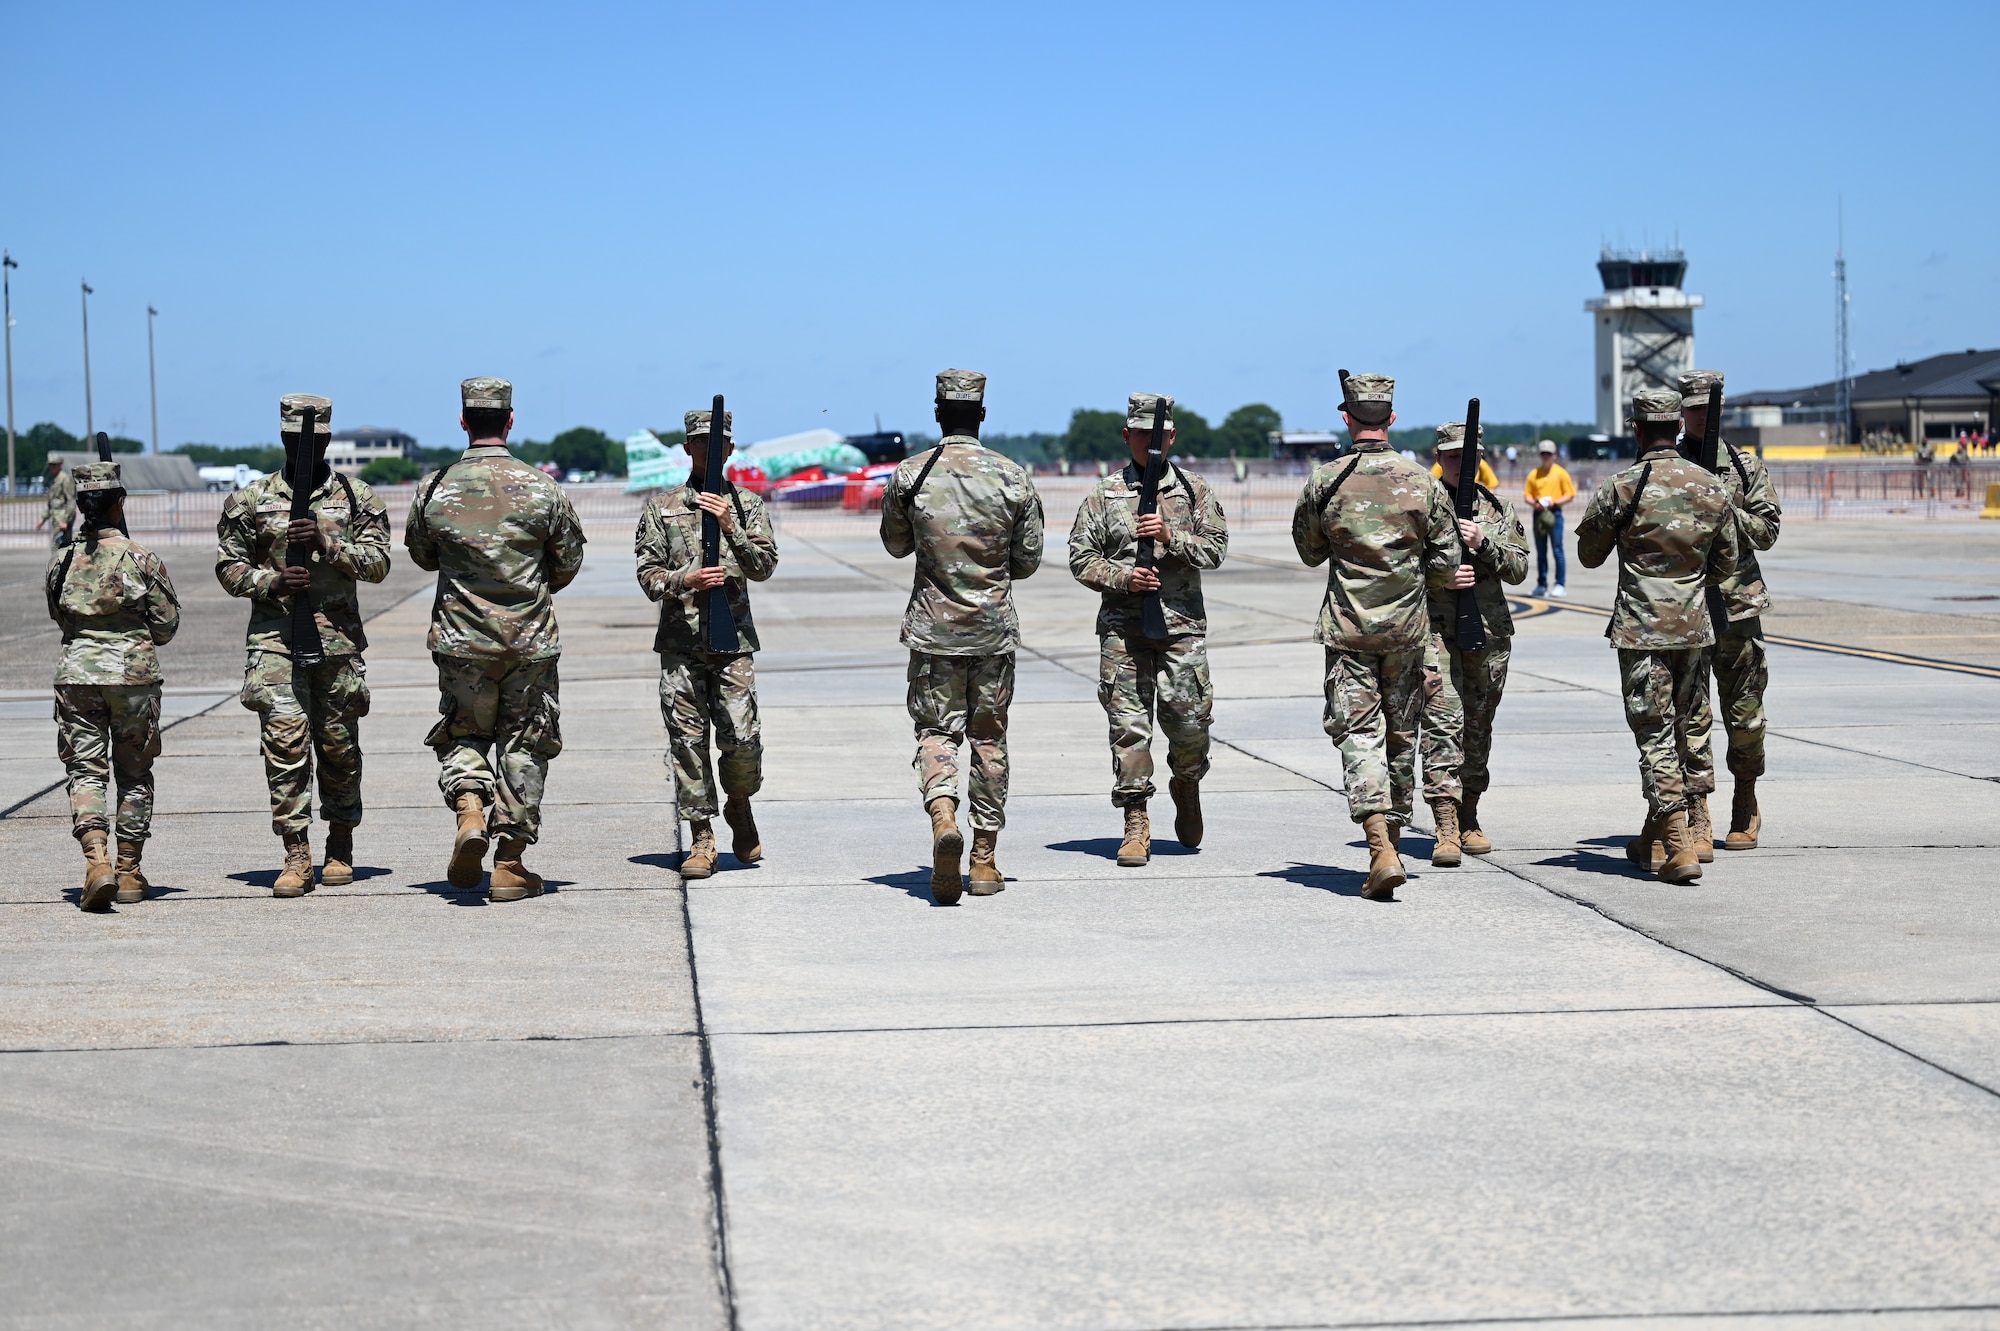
point(1221, 1090)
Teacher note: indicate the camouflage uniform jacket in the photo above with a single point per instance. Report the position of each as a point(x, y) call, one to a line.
point(1103, 551)
point(1502, 557)
point(1384, 528)
point(1677, 541)
point(669, 545)
point(114, 605)
point(975, 527)
point(250, 559)
point(1755, 503)
point(503, 539)
point(62, 500)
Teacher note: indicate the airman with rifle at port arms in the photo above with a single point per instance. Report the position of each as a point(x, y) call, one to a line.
point(1138, 677)
point(503, 540)
point(700, 690)
point(115, 605)
point(1386, 531)
point(1739, 662)
point(306, 713)
point(1668, 519)
point(973, 520)
point(1496, 547)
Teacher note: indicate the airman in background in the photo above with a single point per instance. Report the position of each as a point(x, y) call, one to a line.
point(115, 605)
point(1137, 676)
point(1496, 547)
point(1384, 528)
point(60, 498)
point(304, 711)
point(702, 690)
point(972, 518)
point(1739, 662)
point(1668, 519)
point(503, 540)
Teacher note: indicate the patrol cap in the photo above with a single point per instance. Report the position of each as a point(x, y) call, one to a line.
point(95, 476)
point(697, 423)
point(485, 393)
point(961, 386)
point(1451, 437)
point(292, 413)
point(1695, 385)
point(1139, 409)
point(1370, 397)
point(1656, 404)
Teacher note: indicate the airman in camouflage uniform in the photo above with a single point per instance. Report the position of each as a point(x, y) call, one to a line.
point(702, 690)
point(1496, 547)
point(1668, 520)
point(1384, 528)
point(114, 603)
point(503, 540)
point(304, 711)
point(60, 500)
point(974, 522)
point(1137, 675)
point(1739, 662)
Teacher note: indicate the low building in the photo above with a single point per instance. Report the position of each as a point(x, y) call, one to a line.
point(1306, 445)
point(348, 451)
point(1937, 398)
point(145, 471)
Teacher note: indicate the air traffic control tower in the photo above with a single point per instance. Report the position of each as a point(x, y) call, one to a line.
point(1645, 328)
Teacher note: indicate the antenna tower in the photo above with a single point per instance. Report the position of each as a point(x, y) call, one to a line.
point(1843, 360)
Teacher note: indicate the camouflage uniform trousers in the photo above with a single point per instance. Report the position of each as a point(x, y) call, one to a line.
point(1137, 679)
point(512, 708)
point(303, 712)
point(107, 731)
point(700, 691)
point(1458, 721)
point(951, 699)
point(1374, 701)
point(1742, 673)
point(1662, 692)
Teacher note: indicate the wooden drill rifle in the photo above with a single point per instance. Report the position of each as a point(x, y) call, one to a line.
point(1471, 629)
point(307, 649)
point(718, 624)
point(1708, 455)
point(104, 455)
point(1153, 614)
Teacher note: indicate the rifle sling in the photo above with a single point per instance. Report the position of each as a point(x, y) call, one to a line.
point(910, 500)
point(1618, 527)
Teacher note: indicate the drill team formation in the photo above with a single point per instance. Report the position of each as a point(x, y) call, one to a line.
point(1414, 621)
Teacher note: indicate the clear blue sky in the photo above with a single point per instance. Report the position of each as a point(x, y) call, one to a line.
point(626, 209)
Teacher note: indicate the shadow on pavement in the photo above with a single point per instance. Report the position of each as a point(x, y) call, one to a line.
point(1609, 866)
point(915, 883)
point(1106, 847)
point(1340, 882)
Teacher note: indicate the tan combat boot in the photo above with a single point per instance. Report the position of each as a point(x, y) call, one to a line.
point(468, 846)
point(1746, 823)
point(512, 879)
point(986, 876)
point(132, 882)
point(1385, 866)
point(1187, 811)
point(100, 876)
point(947, 844)
point(1681, 866)
point(1701, 832)
point(744, 841)
point(1470, 835)
point(1137, 847)
point(699, 862)
point(338, 868)
point(297, 876)
point(1445, 850)
point(1644, 850)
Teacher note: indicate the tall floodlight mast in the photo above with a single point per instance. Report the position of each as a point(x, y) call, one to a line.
point(1843, 358)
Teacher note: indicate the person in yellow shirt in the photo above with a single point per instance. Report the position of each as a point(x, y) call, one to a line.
point(1547, 489)
point(1487, 477)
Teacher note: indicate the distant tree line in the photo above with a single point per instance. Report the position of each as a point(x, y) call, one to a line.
point(33, 446)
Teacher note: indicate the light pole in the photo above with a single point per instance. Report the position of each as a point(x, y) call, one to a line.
point(89, 420)
point(153, 380)
point(7, 267)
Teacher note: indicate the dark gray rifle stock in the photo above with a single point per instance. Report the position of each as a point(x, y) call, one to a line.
point(104, 455)
point(718, 624)
point(1153, 615)
point(1471, 629)
point(307, 649)
point(1708, 454)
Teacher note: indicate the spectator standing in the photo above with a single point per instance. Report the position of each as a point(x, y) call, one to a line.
point(1548, 489)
